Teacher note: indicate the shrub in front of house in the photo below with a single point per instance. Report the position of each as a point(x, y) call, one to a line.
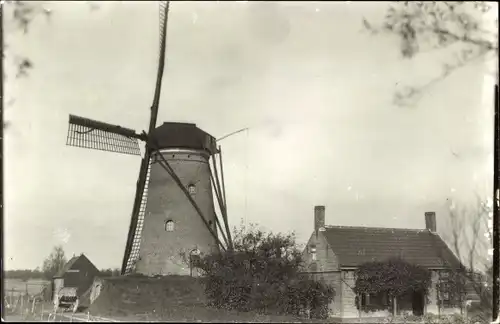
point(262, 274)
point(312, 295)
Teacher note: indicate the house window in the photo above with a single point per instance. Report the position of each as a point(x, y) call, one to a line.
point(192, 189)
point(368, 299)
point(445, 292)
point(169, 226)
point(445, 287)
point(194, 259)
point(371, 301)
point(363, 300)
point(313, 253)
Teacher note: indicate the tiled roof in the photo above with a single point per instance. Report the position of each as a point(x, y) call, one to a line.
point(357, 245)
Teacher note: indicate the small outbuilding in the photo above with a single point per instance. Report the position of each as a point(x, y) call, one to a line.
point(79, 272)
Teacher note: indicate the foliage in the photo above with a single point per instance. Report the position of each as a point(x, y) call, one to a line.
point(394, 276)
point(423, 26)
point(54, 262)
point(110, 272)
point(262, 274)
point(22, 14)
point(307, 293)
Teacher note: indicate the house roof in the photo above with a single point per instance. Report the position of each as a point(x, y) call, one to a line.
point(354, 246)
point(69, 265)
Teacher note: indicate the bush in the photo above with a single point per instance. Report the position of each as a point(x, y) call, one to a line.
point(309, 294)
point(262, 274)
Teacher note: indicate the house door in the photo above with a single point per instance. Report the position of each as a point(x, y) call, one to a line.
point(418, 303)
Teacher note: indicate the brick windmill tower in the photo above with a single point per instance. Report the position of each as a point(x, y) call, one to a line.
point(173, 218)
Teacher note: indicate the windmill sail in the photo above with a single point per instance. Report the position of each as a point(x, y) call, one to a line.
point(92, 134)
point(135, 231)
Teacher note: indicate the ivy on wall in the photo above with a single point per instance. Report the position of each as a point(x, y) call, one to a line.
point(395, 277)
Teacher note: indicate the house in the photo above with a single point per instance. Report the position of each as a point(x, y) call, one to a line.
point(77, 273)
point(333, 253)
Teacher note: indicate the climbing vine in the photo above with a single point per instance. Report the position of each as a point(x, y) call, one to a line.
point(394, 277)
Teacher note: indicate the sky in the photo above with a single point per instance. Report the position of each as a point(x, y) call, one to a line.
point(314, 88)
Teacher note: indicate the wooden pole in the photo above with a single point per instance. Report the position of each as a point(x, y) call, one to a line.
point(360, 305)
point(496, 210)
point(212, 180)
point(223, 206)
point(33, 306)
point(224, 193)
point(222, 177)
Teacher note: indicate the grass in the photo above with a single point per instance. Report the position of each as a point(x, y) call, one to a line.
point(207, 314)
point(170, 298)
point(18, 286)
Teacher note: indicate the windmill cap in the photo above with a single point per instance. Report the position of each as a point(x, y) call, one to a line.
point(183, 135)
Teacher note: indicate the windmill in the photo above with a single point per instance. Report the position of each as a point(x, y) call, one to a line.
point(173, 216)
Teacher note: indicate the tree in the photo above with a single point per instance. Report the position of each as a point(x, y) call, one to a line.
point(471, 241)
point(454, 26)
point(54, 262)
point(24, 274)
point(262, 274)
point(110, 272)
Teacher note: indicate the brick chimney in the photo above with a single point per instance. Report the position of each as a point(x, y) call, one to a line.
point(430, 221)
point(319, 218)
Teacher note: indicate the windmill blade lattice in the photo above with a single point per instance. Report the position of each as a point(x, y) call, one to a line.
point(136, 241)
point(88, 133)
point(133, 240)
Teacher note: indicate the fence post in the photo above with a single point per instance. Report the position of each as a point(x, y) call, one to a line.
point(12, 296)
point(33, 305)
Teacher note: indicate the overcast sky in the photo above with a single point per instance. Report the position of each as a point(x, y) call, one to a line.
point(314, 88)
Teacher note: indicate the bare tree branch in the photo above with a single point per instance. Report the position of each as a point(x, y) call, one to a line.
point(424, 26)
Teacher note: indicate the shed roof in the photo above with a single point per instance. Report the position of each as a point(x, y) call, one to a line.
point(354, 246)
point(69, 265)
